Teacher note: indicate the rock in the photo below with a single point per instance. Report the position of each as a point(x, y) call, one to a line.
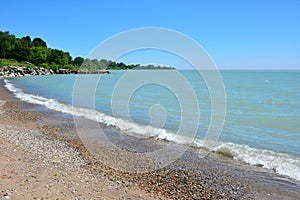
point(11, 71)
point(63, 71)
point(6, 196)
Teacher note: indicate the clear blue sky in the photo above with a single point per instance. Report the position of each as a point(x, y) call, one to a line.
point(239, 34)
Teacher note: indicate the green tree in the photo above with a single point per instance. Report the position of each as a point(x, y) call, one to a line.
point(59, 57)
point(38, 42)
point(38, 55)
point(20, 52)
point(78, 61)
point(26, 41)
point(56, 56)
point(5, 44)
point(67, 58)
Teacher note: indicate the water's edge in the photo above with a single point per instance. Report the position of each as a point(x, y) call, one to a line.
point(282, 164)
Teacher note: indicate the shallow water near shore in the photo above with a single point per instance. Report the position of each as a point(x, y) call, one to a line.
point(220, 174)
point(263, 112)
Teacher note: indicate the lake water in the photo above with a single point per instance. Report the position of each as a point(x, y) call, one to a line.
point(262, 123)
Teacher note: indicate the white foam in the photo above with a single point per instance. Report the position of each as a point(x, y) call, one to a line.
point(282, 163)
point(122, 124)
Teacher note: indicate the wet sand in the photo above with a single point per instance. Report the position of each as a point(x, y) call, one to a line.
point(42, 156)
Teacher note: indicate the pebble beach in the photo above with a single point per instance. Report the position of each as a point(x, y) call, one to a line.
point(43, 158)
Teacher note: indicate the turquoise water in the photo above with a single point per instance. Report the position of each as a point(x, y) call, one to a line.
point(262, 116)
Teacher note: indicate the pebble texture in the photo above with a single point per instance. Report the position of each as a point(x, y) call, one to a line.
point(38, 161)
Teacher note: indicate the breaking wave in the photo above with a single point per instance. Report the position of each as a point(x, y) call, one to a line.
point(283, 164)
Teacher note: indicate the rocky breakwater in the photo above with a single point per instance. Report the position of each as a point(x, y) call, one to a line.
point(11, 71)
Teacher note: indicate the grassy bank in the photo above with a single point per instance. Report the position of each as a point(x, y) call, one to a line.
point(12, 62)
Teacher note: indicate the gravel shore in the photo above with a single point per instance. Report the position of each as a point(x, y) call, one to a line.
point(37, 165)
point(43, 158)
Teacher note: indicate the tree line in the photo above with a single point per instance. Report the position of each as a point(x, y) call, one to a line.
point(35, 51)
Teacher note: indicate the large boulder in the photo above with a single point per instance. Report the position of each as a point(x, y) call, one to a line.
point(63, 71)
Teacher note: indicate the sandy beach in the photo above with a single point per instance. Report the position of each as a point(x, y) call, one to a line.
point(43, 158)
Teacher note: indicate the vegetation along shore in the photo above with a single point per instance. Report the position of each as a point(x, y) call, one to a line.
point(25, 52)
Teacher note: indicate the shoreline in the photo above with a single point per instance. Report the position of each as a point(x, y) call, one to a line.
point(15, 71)
point(188, 177)
point(39, 163)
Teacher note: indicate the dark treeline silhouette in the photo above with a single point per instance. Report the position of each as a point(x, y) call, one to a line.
point(36, 52)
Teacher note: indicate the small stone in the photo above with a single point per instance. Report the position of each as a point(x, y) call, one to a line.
point(6, 196)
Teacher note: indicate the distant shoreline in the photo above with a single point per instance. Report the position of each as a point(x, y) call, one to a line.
point(14, 71)
point(17, 71)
